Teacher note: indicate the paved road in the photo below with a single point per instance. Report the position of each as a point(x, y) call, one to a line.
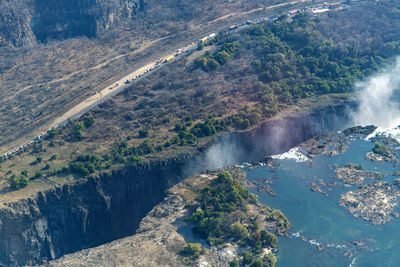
point(113, 89)
point(106, 93)
point(120, 85)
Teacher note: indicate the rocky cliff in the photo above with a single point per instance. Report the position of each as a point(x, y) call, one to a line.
point(163, 233)
point(26, 22)
point(97, 210)
point(83, 214)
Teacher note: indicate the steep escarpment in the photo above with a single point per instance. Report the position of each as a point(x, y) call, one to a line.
point(277, 135)
point(64, 19)
point(15, 27)
point(83, 214)
point(26, 22)
point(97, 210)
point(166, 230)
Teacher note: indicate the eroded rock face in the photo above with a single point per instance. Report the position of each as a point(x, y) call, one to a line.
point(83, 214)
point(159, 240)
point(15, 20)
point(57, 20)
point(26, 22)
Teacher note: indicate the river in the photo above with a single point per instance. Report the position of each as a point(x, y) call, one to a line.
point(318, 221)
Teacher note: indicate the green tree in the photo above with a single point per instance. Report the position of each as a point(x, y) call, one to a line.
point(18, 181)
point(270, 259)
point(143, 133)
point(78, 131)
point(238, 230)
point(88, 121)
point(222, 57)
point(234, 263)
point(53, 133)
point(380, 149)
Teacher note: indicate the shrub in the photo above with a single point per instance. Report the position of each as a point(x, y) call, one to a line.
point(143, 133)
point(234, 263)
point(18, 181)
point(78, 131)
point(179, 127)
point(37, 175)
point(380, 149)
point(354, 166)
point(134, 158)
point(193, 250)
point(53, 133)
point(238, 230)
point(88, 121)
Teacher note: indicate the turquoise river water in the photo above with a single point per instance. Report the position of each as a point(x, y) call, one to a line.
point(319, 220)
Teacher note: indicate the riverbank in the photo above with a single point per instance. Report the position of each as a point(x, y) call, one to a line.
point(165, 232)
point(119, 199)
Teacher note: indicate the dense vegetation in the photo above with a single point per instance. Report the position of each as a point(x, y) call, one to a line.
point(223, 214)
point(381, 149)
point(248, 76)
point(292, 60)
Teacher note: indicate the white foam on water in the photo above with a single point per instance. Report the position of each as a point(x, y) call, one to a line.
point(245, 165)
point(296, 235)
point(391, 132)
point(315, 242)
point(293, 153)
point(353, 262)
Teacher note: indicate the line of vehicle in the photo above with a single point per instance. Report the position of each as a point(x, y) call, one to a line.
point(125, 82)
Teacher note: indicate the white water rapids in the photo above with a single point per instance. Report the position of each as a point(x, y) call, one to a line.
point(379, 102)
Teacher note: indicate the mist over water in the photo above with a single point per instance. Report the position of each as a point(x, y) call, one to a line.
point(378, 103)
point(379, 100)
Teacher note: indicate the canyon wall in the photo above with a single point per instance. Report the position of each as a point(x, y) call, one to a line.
point(97, 210)
point(28, 22)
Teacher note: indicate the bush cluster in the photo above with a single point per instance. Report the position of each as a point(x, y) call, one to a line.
point(18, 181)
point(223, 201)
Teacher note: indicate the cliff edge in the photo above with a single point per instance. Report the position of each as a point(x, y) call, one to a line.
point(160, 239)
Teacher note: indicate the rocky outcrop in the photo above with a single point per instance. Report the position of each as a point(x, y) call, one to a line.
point(82, 214)
point(354, 176)
point(375, 202)
point(26, 22)
point(159, 241)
